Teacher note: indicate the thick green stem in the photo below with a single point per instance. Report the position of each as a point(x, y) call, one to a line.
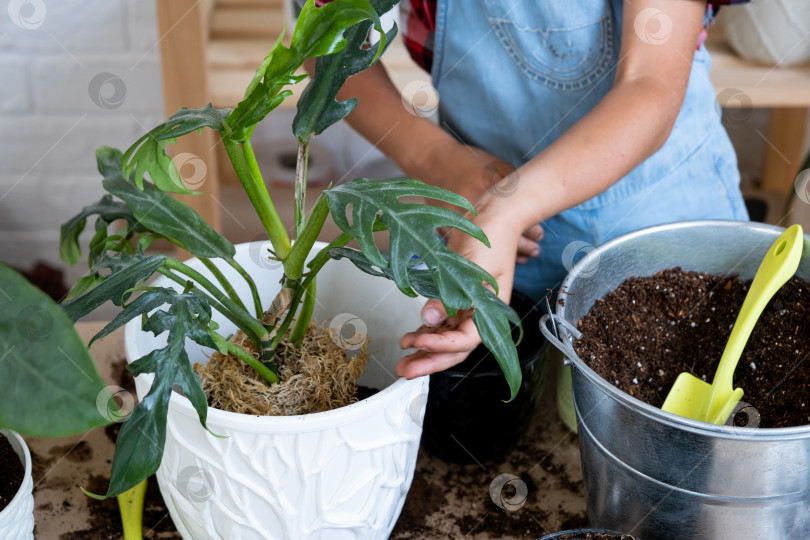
point(254, 291)
point(250, 360)
point(244, 163)
point(220, 277)
point(301, 186)
point(315, 266)
point(304, 315)
point(239, 315)
point(296, 260)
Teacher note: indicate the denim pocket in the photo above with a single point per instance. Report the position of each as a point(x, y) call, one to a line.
point(565, 49)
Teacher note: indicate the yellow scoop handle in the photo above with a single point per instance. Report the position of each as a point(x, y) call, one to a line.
point(777, 268)
point(691, 397)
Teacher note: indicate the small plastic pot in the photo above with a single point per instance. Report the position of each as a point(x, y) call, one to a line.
point(17, 519)
point(466, 419)
point(589, 534)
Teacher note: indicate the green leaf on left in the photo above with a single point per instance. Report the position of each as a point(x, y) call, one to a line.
point(50, 385)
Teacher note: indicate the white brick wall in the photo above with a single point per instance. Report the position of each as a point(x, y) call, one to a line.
point(74, 75)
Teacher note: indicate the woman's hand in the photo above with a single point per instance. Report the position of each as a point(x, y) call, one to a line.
point(443, 341)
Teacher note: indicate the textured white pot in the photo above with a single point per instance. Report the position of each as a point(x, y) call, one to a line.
point(17, 519)
point(772, 32)
point(341, 474)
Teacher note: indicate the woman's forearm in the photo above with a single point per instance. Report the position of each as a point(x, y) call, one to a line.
point(630, 124)
point(414, 143)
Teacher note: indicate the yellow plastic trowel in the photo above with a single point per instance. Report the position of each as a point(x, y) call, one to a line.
point(693, 398)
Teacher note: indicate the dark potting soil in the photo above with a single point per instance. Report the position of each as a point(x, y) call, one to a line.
point(364, 392)
point(641, 336)
point(105, 518)
point(12, 472)
point(48, 279)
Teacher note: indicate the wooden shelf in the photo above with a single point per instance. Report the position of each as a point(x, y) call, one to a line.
point(765, 86)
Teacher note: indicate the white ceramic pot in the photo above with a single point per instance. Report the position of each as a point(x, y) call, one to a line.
point(341, 474)
point(17, 519)
point(772, 32)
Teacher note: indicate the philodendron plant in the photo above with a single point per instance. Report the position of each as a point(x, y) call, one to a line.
point(138, 211)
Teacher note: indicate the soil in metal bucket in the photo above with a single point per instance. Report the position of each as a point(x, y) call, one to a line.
point(318, 376)
point(641, 336)
point(12, 472)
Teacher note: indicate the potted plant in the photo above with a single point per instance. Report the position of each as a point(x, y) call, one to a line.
point(16, 499)
point(238, 475)
point(771, 33)
point(659, 475)
point(50, 388)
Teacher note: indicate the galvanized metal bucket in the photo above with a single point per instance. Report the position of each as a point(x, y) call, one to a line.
point(657, 475)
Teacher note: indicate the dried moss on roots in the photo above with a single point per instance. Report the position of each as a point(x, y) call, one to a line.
point(319, 376)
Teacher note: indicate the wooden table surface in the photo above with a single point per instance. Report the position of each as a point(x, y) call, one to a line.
point(445, 501)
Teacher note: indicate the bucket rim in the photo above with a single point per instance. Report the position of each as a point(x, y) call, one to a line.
point(582, 269)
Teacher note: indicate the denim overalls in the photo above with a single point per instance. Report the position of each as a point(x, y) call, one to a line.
point(513, 75)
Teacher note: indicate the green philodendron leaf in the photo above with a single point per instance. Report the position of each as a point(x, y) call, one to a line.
point(161, 213)
point(318, 107)
point(115, 287)
point(145, 303)
point(84, 284)
point(420, 279)
point(320, 31)
point(106, 208)
point(139, 447)
point(148, 154)
point(371, 200)
point(50, 385)
point(412, 232)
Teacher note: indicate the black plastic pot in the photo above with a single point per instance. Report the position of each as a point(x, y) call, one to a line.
point(466, 419)
point(589, 534)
